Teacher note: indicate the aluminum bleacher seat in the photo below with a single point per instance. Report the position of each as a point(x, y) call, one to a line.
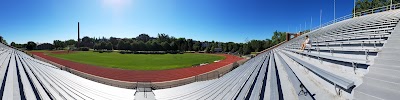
point(23, 77)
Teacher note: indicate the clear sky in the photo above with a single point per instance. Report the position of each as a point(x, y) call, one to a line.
point(220, 20)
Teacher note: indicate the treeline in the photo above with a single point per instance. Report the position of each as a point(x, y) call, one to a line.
point(29, 46)
point(2, 40)
point(162, 42)
point(362, 5)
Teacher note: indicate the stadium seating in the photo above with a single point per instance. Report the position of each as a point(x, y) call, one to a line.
point(332, 68)
point(23, 77)
point(350, 59)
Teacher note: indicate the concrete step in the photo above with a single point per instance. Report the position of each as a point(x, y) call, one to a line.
point(383, 71)
point(392, 44)
point(383, 76)
point(390, 62)
point(389, 55)
point(388, 85)
point(363, 96)
point(390, 50)
point(378, 89)
point(394, 35)
point(385, 66)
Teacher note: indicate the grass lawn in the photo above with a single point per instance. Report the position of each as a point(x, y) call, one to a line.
point(139, 61)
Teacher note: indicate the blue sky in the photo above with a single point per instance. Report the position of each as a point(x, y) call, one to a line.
point(220, 20)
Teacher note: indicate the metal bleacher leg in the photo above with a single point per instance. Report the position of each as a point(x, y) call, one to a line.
point(338, 91)
point(354, 66)
point(366, 54)
point(362, 44)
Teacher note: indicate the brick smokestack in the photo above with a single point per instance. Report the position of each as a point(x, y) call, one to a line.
point(79, 40)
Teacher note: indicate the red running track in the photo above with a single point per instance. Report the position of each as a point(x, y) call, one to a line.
point(141, 76)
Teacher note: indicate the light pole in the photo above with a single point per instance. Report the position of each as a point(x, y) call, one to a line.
point(311, 24)
point(391, 4)
point(305, 25)
point(320, 19)
point(354, 9)
point(300, 27)
point(334, 11)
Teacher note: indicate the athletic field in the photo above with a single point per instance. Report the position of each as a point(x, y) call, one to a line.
point(138, 61)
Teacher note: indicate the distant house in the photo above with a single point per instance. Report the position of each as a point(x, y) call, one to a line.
point(217, 49)
point(204, 44)
point(45, 46)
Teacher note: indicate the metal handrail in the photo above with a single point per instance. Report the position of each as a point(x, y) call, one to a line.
point(357, 14)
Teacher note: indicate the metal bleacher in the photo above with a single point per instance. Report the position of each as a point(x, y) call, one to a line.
point(23, 77)
point(337, 66)
point(354, 58)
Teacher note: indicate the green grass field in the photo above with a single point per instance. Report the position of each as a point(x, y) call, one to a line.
point(139, 61)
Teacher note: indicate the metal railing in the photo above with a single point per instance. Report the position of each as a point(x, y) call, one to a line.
point(357, 14)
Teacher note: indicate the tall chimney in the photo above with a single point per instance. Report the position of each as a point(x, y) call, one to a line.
point(79, 40)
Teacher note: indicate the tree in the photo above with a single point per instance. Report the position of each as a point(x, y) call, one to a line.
point(165, 46)
point(363, 5)
point(157, 46)
point(109, 46)
point(143, 37)
point(256, 45)
point(123, 45)
point(13, 44)
point(212, 48)
point(174, 46)
point(197, 46)
point(58, 44)
point(163, 37)
point(236, 47)
point(278, 37)
point(141, 46)
point(88, 42)
point(114, 41)
point(96, 46)
point(267, 44)
point(45, 46)
point(103, 45)
point(240, 50)
point(149, 46)
point(225, 47)
point(120, 45)
point(31, 45)
point(189, 44)
point(207, 50)
point(2, 40)
point(134, 46)
point(180, 44)
point(70, 42)
point(246, 49)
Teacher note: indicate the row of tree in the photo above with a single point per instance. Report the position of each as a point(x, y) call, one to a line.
point(362, 5)
point(162, 42)
point(2, 40)
point(29, 46)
